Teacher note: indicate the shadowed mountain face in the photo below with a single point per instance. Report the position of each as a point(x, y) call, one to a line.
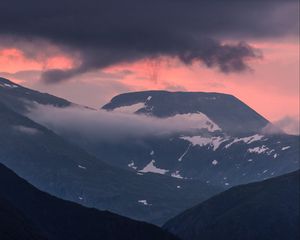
point(14, 225)
point(229, 113)
point(167, 173)
point(53, 165)
point(267, 210)
point(27, 213)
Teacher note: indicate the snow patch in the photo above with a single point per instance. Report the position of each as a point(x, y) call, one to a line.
point(285, 148)
point(144, 202)
point(133, 108)
point(149, 98)
point(199, 120)
point(185, 152)
point(259, 150)
point(213, 142)
point(246, 140)
point(214, 162)
point(150, 167)
point(176, 175)
point(82, 167)
point(6, 85)
point(132, 165)
point(130, 109)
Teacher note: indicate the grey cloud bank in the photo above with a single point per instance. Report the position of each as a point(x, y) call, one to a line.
point(101, 125)
point(98, 34)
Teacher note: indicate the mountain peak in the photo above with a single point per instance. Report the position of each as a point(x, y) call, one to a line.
point(231, 114)
point(19, 98)
point(7, 84)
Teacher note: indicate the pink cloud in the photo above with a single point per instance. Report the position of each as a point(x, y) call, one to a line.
point(271, 88)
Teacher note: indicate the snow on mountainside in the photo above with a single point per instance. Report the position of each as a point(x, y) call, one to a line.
point(227, 146)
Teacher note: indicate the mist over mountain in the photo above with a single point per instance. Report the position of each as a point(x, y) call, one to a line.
point(225, 110)
point(183, 135)
point(54, 165)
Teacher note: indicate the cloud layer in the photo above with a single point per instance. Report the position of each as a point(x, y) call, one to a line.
point(100, 125)
point(289, 125)
point(102, 33)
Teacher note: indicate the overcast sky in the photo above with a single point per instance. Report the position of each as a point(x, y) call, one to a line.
point(90, 50)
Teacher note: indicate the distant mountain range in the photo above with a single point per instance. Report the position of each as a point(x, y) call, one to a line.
point(267, 210)
point(149, 178)
point(29, 214)
point(52, 164)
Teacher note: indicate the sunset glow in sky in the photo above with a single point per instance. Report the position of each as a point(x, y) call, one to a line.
point(92, 75)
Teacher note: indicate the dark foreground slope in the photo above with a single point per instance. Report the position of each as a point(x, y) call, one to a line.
point(267, 210)
point(27, 213)
point(14, 225)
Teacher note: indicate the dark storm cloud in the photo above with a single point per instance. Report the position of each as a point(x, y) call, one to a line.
point(102, 33)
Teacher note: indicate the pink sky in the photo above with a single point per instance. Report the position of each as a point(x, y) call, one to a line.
point(271, 88)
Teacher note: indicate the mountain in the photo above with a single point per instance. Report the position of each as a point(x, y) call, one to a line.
point(56, 166)
point(20, 98)
point(267, 210)
point(227, 147)
point(226, 111)
point(27, 213)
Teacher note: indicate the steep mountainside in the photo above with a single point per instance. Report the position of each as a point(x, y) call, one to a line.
point(62, 169)
point(27, 213)
point(267, 210)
